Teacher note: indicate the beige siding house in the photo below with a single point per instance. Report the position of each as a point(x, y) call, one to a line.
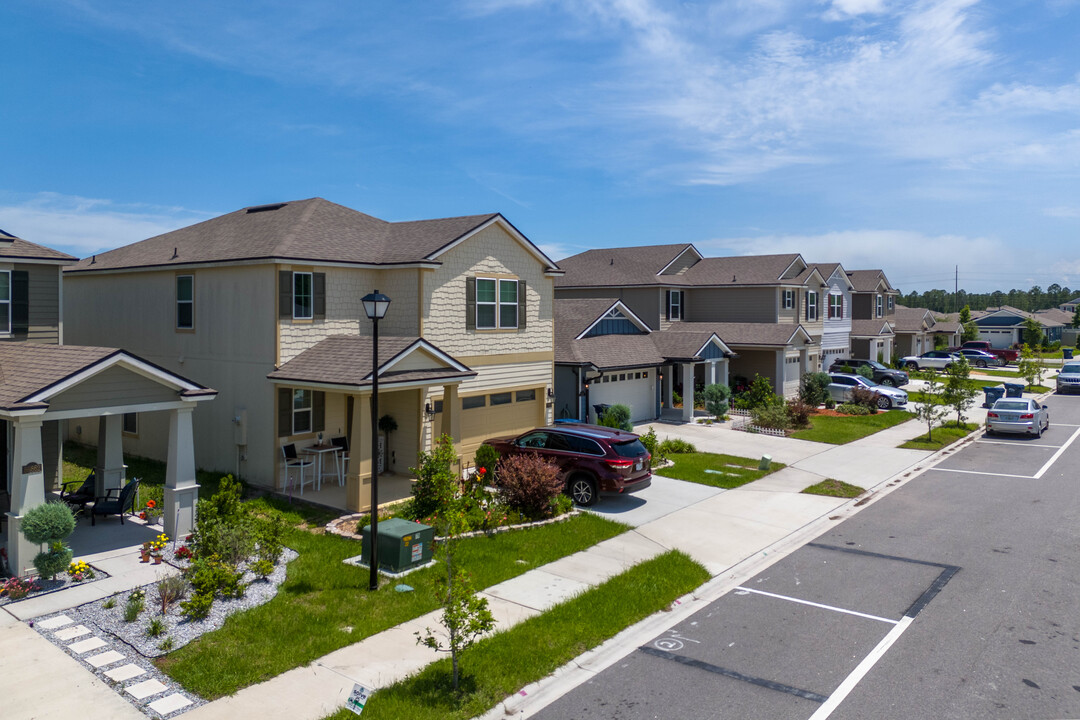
point(265, 304)
point(873, 303)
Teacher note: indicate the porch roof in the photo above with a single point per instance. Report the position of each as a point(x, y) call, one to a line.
point(30, 374)
point(346, 361)
point(871, 328)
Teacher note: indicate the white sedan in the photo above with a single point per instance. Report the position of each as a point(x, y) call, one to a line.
point(936, 359)
point(1018, 415)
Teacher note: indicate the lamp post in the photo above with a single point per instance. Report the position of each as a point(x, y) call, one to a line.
point(375, 305)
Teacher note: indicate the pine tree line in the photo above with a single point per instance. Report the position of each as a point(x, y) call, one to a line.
point(1031, 300)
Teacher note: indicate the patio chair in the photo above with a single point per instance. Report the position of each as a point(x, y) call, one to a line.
point(292, 461)
point(342, 443)
point(78, 495)
point(109, 505)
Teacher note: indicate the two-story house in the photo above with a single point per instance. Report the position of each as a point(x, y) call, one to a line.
point(873, 307)
point(265, 304)
point(766, 310)
point(917, 330)
point(837, 311)
point(45, 385)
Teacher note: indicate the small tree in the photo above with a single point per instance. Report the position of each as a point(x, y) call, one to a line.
point(1076, 318)
point(435, 480)
point(1030, 367)
point(617, 416)
point(1033, 333)
point(528, 483)
point(716, 399)
point(960, 391)
point(933, 409)
point(760, 394)
point(49, 524)
point(813, 388)
point(968, 329)
point(866, 371)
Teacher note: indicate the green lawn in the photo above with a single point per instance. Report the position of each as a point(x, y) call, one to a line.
point(841, 430)
point(498, 666)
point(731, 471)
point(324, 604)
point(941, 437)
point(835, 488)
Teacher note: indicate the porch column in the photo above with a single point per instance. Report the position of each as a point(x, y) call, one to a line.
point(27, 490)
point(781, 366)
point(804, 363)
point(110, 454)
point(451, 407)
point(181, 488)
point(358, 481)
point(711, 379)
point(688, 392)
point(722, 375)
point(668, 384)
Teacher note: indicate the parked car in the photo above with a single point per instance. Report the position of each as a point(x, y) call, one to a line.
point(1018, 415)
point(1007, 355)
point(591, 458)
point(1068, 380)
point(935, 359)
point(842, 389)
point(883, 374)
point(980, 358)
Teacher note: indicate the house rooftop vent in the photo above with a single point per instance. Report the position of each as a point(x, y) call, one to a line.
point(266, 208)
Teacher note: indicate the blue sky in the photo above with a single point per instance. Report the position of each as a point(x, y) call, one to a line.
point(911, 136)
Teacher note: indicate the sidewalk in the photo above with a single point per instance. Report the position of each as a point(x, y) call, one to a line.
point(718, 528)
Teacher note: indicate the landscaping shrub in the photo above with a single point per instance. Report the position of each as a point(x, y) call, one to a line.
point(210, 576)
point(866, 398)
point(135, 604)
point(262, 568)
point(652, 444)
point(198, 606)
point(799, 412)
point(852, 409)
point(771, 416)
point(813, 388)
point(436, 482)
point(171, 590)
point(759, 395)
point(528, 483)
point(676, 398)
point(716, 398)
point(676, 446)
point(225, 527)
point(829, 403)
point(866, 371)
point(617, 416)
point(486, 457)
point(155, 628)
point(270, 534)
point(48, 524)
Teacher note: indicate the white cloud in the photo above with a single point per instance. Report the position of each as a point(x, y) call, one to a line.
point(846, 9)
point(84, 226)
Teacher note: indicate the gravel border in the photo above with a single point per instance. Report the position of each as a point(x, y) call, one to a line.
point(61, 582)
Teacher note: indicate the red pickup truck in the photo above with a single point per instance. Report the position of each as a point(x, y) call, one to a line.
point(1009, 356)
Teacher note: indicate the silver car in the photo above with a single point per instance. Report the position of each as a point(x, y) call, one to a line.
point(1017, 415)
point(1068, 380)
point(842, 387)
point(935, 359)
point(979, 358)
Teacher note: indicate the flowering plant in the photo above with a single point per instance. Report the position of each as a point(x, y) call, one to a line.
point(183, 553)
point(152, 512)
point(157, 545)
point(80, 571)
point(17, 588)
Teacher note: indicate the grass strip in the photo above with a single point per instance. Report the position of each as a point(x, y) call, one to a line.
point(842, 430)
point(502, 664)
point(325, 605)
point(835, 488)
point(941, 437)
point(728, 471)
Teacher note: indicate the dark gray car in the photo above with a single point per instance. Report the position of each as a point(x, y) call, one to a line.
point(883, 374)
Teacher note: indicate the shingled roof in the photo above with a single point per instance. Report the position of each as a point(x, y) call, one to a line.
point(310, 230)
point(16, 248)
point(621, 267)
point(868, 280)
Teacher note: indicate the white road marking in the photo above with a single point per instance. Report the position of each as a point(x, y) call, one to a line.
point(1036, 476)
point(860, 672)
point(1056, 455)
point(979, 472)
point(1015, 444)
point(819, 605)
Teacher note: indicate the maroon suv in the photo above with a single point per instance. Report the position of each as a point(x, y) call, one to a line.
point(591, 458)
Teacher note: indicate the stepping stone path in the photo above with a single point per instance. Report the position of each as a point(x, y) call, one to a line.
point(118, 665)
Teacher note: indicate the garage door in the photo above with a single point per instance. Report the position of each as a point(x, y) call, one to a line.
point(636, 389)
point(499, 413)
point(997, 338)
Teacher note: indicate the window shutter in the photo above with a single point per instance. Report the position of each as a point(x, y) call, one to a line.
point(667, 304)
point(523, 308)
point(470, 303)
point(284, 294)
point(682, 305)
point(20, 302)
point(284, 412)
point(318, 291)
point(318, 411)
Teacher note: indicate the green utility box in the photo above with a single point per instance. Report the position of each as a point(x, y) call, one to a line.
point(403, 544)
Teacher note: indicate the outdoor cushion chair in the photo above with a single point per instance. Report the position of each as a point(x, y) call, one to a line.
point(109, 505)
point(77, 494)
point(342, 442)
point(292, 461)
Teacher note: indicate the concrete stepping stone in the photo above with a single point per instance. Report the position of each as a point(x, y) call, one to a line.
point(105, 658)
point(72, 632)
point(143, 690)
point(125, 672)
point(87, 645)
point(57, 622)
point(169, 703)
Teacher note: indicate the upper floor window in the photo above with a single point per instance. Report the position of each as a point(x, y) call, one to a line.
point(495, 303)
point(836, 307)
point(892, 303)
point(789, 299)
point(811, 306)
point(303, 296)
point(879, 313)
point(676, 305)
point(185, 302)
point(5, 301)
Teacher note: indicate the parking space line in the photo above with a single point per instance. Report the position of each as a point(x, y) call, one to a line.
point(1015, 444)
point(1058, 454)
point(817, 605)
point(979, 472)
point(709, 667)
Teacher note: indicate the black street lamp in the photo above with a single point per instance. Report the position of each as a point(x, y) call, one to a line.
point(375, 305)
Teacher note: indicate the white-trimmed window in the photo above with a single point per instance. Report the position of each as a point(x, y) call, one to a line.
point(508, 303)
point(185, 302)
point(301, 411)
point(789, 299)
point(892, 303)
point(5, 301)
point(303, 296)
point(811, 306)
point(675, 305)
point(836, 307)
point(496, 303)
point(879, 306)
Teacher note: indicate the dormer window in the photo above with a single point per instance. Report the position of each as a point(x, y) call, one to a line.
point(675, 305)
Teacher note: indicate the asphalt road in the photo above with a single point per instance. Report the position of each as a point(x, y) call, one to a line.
point(955, 596)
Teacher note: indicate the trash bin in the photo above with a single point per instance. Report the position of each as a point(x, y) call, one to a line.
point(993, 394)
point(1067, 352)
point(765, 463)
point(1014, 389)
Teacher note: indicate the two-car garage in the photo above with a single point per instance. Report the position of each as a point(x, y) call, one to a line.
point(634, 388)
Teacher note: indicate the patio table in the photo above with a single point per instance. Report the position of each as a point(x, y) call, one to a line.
point(319, 451)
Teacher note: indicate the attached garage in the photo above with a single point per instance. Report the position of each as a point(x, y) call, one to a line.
point(633, 388)
point(998, 338)
point(500, 413)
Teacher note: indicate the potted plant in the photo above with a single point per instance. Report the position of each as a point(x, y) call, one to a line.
point(157, 547)
point(145, 552)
